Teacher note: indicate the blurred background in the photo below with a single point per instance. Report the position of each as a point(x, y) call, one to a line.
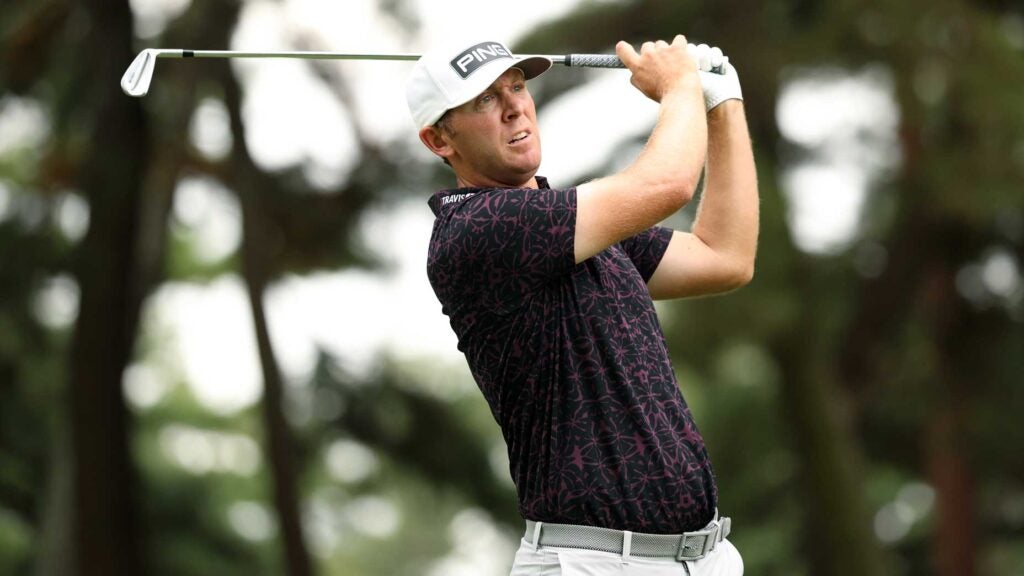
point(219, 353)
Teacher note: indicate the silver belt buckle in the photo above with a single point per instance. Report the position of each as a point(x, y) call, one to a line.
point(710, 539)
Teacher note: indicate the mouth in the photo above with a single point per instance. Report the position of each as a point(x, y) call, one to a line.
point(519, 137)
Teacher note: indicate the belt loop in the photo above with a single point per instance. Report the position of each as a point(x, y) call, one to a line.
point(536, 534)
point(627, 544)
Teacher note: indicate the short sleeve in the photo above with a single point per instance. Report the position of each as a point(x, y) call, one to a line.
point(508, 242)
point(647, 248)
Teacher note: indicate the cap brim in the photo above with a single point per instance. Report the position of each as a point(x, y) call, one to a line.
point(532, 66)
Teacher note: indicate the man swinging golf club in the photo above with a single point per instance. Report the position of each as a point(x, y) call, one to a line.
point(550, 294)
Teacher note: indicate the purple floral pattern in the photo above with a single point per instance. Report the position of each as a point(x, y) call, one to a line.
point(572, 361)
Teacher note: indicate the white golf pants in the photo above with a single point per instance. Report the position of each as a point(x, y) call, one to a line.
point(725, 560)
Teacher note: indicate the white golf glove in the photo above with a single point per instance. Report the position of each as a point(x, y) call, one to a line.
point(717, 87)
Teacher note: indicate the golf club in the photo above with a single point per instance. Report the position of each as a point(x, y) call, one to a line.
point(137, 78)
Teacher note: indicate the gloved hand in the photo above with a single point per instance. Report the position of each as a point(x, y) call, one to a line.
point(717, 87)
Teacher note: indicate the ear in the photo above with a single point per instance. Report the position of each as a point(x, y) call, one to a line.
point(434, 139)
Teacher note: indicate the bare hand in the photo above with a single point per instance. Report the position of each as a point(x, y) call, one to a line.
point(659, 67)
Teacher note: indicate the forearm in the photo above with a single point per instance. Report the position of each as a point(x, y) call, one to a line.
point(664, 176)
point(727, 219)
point(677, 149)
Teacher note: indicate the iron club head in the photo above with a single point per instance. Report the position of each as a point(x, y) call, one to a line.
point(139, 74)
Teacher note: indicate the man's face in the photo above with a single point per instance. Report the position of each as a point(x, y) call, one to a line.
point(494, 140)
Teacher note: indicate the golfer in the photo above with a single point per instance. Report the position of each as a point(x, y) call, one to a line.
point(550, 292)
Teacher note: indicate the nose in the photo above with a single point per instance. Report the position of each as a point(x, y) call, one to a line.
point(515, 105)
point(513, 110)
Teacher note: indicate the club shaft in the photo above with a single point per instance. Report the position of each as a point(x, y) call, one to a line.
point(572, 60)
point(136, 79)
point(287, 54)
point(313, 55)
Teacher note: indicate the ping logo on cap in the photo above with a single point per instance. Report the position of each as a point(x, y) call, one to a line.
point(476, 56)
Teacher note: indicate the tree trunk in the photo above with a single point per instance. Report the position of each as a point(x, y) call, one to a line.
point(953, 544)
point(279, 447)
point(107, 539)
point(947, 433)
point(839, 540)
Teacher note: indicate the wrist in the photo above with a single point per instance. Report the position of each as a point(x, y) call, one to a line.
point(726, 110)
point(720, 87)
point(686, 88)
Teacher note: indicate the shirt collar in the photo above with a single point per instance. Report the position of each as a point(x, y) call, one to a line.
point(453, 196)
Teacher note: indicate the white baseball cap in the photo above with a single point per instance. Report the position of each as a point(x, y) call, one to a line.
point(447, 77)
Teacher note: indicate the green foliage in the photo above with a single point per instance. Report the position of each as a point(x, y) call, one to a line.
point(15, 543)
point(838, 393)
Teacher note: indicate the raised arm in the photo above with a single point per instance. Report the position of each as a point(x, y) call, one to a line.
point(718, 255)
point(665, 175)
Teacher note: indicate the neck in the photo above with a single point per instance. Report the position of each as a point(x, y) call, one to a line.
point(464, 181)
point(476, 178)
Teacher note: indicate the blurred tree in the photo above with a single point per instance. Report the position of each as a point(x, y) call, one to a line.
point(129, 185)
point(107, 537)
point(860, 403)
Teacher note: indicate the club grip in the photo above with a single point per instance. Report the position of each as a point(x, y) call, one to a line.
point(611, 61)
point(594, 61)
